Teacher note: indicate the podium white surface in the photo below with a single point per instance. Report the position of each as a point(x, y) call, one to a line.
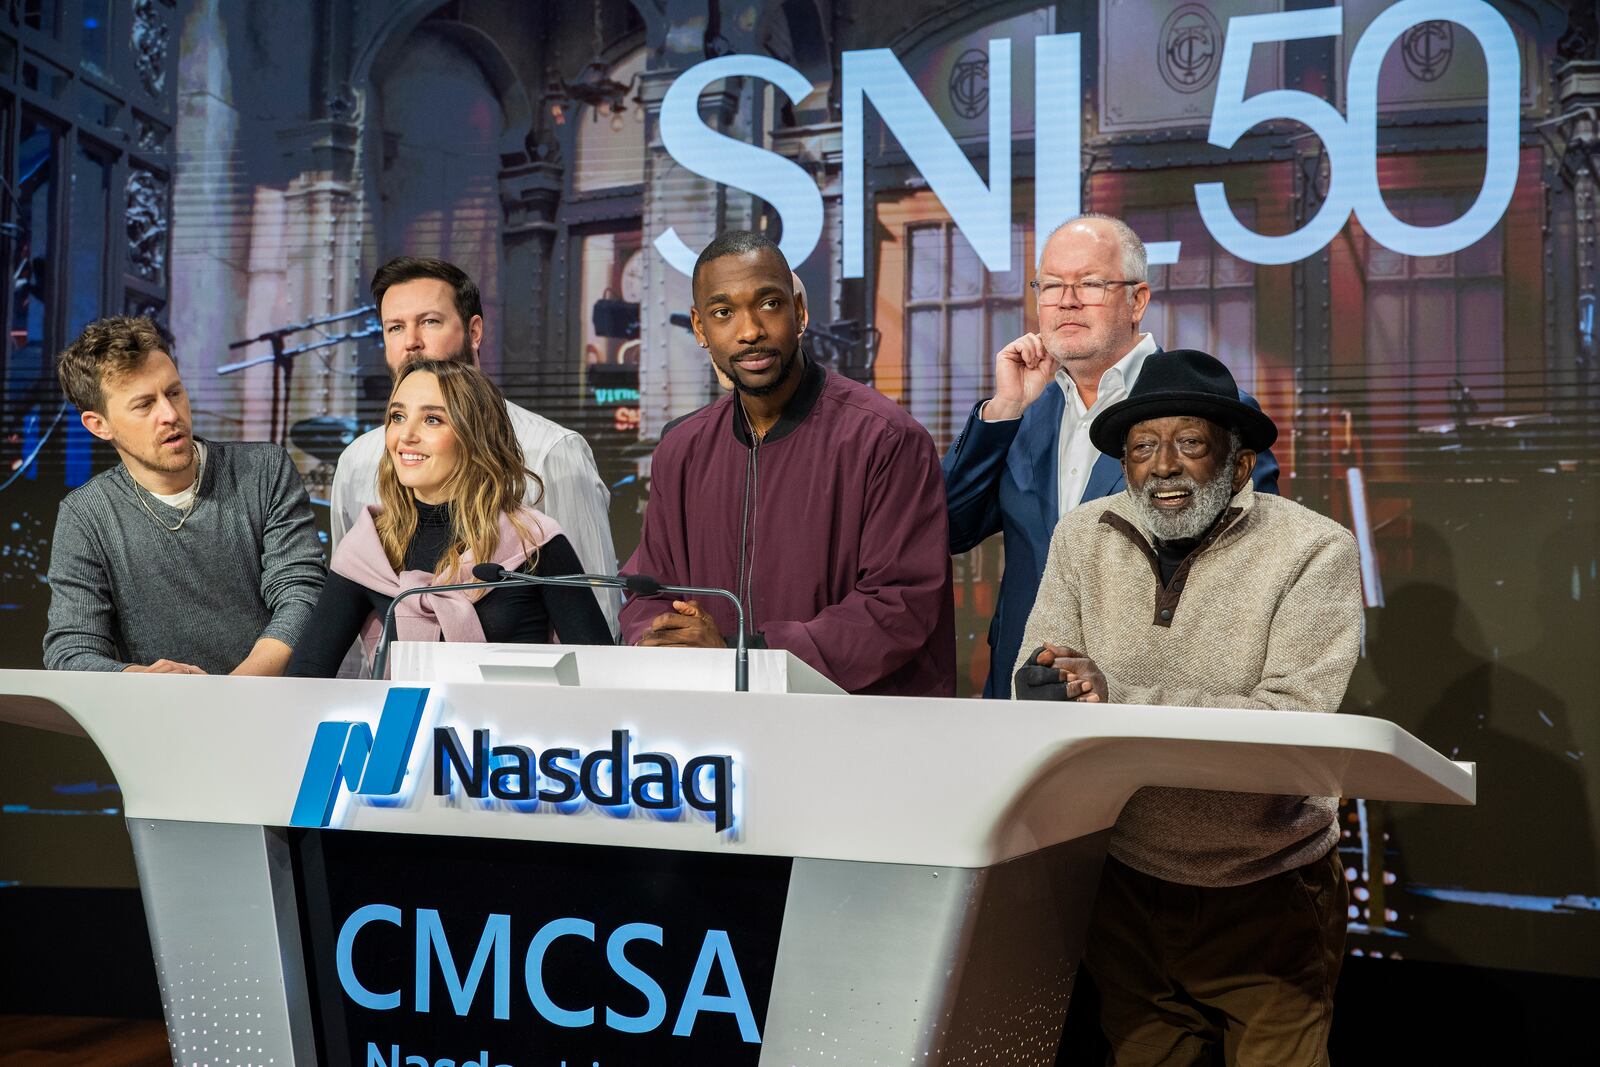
point(931, 862)
point(601, 666)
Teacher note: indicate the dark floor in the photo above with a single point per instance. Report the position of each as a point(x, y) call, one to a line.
point(1414, 1012)
point(57, 1041)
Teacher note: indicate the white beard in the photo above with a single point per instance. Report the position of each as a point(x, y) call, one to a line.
point(1205, 504)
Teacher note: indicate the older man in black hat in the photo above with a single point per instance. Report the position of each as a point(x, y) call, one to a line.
point(1220, 920)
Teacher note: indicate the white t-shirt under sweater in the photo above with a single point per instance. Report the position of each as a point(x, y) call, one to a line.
point(184, 497)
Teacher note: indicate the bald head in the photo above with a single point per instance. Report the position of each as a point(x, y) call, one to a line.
point(1102, 229)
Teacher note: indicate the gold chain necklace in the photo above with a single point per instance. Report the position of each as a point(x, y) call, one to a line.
point(199, 470)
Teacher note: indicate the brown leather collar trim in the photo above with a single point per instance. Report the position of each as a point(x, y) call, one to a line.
point(1167, 596)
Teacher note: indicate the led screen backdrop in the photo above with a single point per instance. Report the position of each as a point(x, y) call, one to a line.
point(1380, 215)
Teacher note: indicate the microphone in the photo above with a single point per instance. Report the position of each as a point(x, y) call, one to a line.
point(644, 585)
point(487, 574)
point(494, 573)
point(641, 584)
point(380, 656)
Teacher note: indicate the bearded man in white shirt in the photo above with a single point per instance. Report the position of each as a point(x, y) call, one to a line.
point(431, 308)
point(1024, 458)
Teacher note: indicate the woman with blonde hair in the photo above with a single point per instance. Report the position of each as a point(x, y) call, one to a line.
point(450, 487)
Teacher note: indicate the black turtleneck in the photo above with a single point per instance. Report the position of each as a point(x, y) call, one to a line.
point(431, 539)
point(1171, 554)
point(514, 613)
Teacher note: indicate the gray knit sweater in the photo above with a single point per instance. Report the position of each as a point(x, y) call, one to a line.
point(247, 564)
point(1267, 613)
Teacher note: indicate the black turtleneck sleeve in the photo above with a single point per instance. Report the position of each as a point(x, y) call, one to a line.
point(537, 614)
point(343, 607)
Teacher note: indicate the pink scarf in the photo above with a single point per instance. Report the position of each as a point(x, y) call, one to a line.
point(449, 616)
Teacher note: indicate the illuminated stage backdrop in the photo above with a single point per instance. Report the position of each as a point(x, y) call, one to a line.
point(1380, 216)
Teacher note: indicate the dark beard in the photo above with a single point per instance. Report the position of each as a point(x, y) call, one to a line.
point(790, 365)
point(460, 355)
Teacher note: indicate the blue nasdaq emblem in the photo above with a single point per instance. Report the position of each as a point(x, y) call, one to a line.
point(348, 752)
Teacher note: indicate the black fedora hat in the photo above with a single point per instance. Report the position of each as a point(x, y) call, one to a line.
point(1182, 382)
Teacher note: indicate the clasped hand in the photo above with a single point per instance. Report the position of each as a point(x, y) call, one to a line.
point(1057, 673)
point(687, 625)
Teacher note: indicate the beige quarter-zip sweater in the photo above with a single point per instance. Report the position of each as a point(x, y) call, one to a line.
point(1265, 613)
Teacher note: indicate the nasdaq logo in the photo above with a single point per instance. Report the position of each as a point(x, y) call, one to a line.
point(348, 752)
point(617, 780)
point(606, 778)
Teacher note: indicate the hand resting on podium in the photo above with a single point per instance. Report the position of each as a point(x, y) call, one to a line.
point(687, 625)
point(1055, 673)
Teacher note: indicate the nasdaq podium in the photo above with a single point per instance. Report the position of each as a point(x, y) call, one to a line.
point(546, 857)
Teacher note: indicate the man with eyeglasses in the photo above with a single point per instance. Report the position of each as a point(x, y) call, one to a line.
point(1024, 458)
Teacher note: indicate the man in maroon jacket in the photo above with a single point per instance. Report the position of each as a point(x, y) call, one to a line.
point(815, 498)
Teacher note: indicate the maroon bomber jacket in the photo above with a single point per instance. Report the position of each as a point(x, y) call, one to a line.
point(832, 530)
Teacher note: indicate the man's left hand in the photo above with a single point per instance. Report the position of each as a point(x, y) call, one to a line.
point(1087, 683)
point(1083, 679)
point(687, 625)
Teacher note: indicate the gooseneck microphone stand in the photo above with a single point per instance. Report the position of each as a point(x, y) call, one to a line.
point(644, 585)
point(635, 585)
point(494, 574)
point(490, 574)
point(380, 656)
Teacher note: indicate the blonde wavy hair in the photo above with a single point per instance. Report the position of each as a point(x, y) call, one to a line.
point(489, 479)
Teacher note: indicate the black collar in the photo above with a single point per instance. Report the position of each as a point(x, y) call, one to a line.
point(432, 514)
point(812, 377)
point(1179, 549)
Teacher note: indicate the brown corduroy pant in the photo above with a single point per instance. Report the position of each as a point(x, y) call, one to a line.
point(1185, 970)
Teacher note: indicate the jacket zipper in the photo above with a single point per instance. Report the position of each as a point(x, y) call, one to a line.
point(747, 514)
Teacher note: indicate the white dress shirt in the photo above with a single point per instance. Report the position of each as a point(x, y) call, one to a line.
point(1077, 455)
point(574, 495)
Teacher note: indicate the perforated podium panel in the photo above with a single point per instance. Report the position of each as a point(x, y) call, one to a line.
point(443, 871)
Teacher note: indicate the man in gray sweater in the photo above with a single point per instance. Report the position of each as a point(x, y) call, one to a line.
point(1220, 919)
point(190, 556)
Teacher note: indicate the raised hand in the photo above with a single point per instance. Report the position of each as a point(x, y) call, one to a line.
point(1022, 371)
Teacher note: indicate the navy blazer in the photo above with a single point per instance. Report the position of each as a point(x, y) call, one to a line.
point(1002, 477)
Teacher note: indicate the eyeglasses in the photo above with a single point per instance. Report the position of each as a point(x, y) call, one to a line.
point(1090, 293)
